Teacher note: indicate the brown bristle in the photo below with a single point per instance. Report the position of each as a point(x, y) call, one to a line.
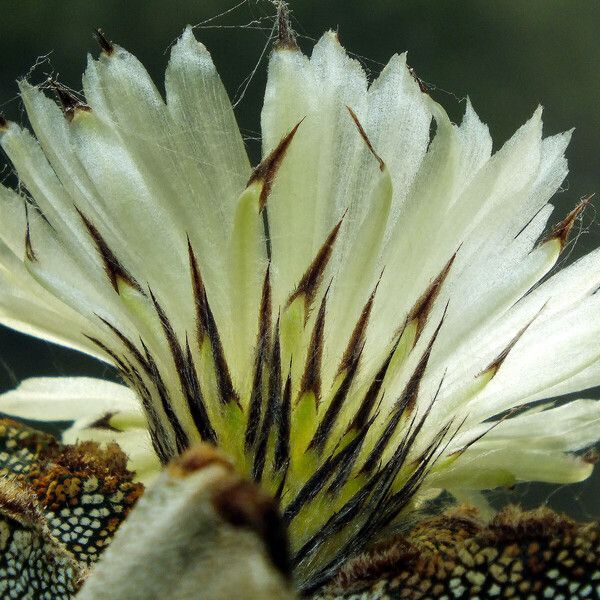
point(423, 306)
point(562, 230)
point(207, 326)
point(311, 379)
point(115, 271)
point(365, 137)
point(286, 38)
point(29, 252)
point(311, 280)
point(495, 365)
point(266, 171)
point(358, 335)
point(105, 44)
point(69, 102)
point(262, 345)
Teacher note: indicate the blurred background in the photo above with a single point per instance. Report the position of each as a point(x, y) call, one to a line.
point(507, 56)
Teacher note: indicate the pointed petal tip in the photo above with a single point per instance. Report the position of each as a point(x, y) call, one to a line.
point(311, 280)
point(396, 64)
point(366, 139)
point(469, 110)
point(566, 136)
point(470, 115)
point(422, 85)
point(264, 174)
point(286, 37)
point(69, 102)
point(396, 60)
point(105, 44)
point(28, 90)
point(330, 42)
point(535, 122)
point(188, 52)
point(532, 125)
point(25, 86)
point(188, 39)
point(332, 35)
point(562, 230)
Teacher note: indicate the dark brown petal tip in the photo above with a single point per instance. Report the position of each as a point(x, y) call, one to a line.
point(3, 123)
point(422, 85)
point(105, 44)
point(590, 456)
point(311, 280)
point(365, 137)
point(207, 326)
point(286, 37)
point(265, 172)
point(311, 379)
point(562, 230)
point(423, 306)
point(263, 343)
point(197, 458)
point(495, 365)
point(69, 102)
point(29, 251)
point(282, 448)
point(357, 339)
point(114, 270)
point(104, 422)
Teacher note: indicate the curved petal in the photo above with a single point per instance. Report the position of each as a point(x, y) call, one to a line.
point(536, 446)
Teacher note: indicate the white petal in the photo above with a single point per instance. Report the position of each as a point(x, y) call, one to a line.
point(206, 127)
point(433, 237)
point(315, 182)
point(535, 446)
point(499, 466)
point(395, 97)
point(548, 353)
point(69, 398)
